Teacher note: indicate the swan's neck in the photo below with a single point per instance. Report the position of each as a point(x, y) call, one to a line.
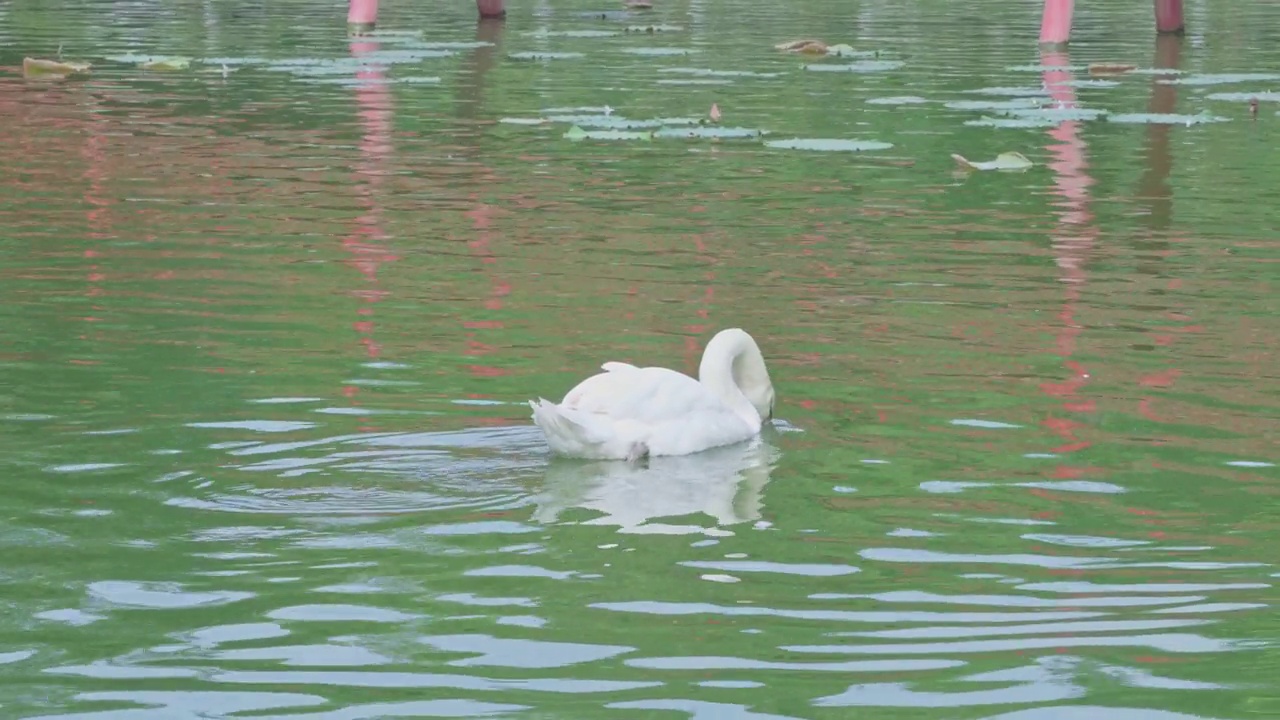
point(734, 370)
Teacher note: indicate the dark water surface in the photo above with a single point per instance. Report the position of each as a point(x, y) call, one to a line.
point(267, 325)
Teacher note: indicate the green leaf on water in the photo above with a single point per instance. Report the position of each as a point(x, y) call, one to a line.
point(1087, 83)
point(348, 68)
point(658, 51)
point(995, 105)
point(452, 45)
point(153, 62)
point(134, 58)
point(1045, 68)
point(1056, 114)
point(39, 66)
point(843, 50)
point(898, 100)
point(403, 55)
point(388, 34)
point(593, 109)
point(693, 81)
point(606, 15)
point(353, 82)
point(1013, 122)
point(617, 122)
point(705, 72)
point(1029, 91)
point(1166, 118)
point(1156, 71)
point(574, 33)
point(537, 56)
point(652, 28)
point(340, 65)
point(865, 66)
point(1005, 161)
point(708, 132)
point(1221, 79)
point(1266, 96)
point(232, 61)
point(576, 133)
point(828, 144)
point(171, 63)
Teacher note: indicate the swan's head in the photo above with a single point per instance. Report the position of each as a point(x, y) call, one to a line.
point(733, 354)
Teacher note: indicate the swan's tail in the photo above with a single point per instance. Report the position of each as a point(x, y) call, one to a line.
point(564, 434)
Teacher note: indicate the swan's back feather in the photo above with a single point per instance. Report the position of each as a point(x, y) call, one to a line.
point(645, 395)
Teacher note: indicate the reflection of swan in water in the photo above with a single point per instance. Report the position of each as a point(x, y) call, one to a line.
point(726, 483)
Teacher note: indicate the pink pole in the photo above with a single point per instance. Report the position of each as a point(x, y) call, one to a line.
point(1055, 23)
point(491, 8)
point(1169, 16)
point(361, 16)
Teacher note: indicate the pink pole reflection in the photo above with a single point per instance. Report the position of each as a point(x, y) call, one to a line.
point(1153, 189)
point(94, 152)
point(365, 241)
point(483, 214)
point(1154, 192)
point(1073, 240)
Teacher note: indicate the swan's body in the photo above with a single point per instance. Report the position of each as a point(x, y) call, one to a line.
point(629, 412)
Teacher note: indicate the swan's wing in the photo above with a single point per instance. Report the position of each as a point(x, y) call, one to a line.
point(647, 395)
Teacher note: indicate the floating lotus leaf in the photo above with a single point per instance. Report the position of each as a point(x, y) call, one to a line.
point(1087, 83)
point(1057, 114)
point(693, 81)
point(1157, 71)
point(708, 132)
point(229, 61)
point(576, 33)
point(617, 122)
point(166, 64)
point(658, 51)
point(1044, 68)
point(537, 56)
point(848, 51)
point(390, 34)
point(1221, 79)
point(593, 109)
point(1267, 96)
point(1007, 161)
point(808, 47)
point(404, 55)
point(454, 45)
point(1010, 91)
point(704, 72)
point(1165, 118)
point(995, 105)
point(1110, 68)
point(652, 28)
point(898, 100)
point(1013, 122)
point(36, 66)
point(864, 66)
point(577, 133)
point(828, 144)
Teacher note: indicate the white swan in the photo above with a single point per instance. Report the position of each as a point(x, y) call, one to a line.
point(627, 412)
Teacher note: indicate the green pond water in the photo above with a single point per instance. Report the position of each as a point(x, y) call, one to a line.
point(268, 325)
